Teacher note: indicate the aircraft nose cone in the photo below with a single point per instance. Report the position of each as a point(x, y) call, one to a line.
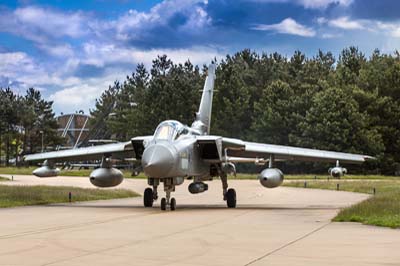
point(158, 160)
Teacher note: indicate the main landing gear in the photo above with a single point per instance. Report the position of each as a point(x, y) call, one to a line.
point(229, 194)
point(150, 195)
point(231, 198)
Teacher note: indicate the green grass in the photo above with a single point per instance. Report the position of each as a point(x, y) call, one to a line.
point(13, 196)
point(346, 177)
point(3, 179)
point(16, 170)
point(382, 209)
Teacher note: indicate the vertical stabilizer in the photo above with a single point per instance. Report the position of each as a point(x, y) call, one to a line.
point(203, 116)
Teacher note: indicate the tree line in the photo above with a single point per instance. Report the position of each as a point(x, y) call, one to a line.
point(24, 121)
point(349, 104)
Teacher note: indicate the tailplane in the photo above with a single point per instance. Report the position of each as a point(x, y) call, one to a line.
point(203, 116)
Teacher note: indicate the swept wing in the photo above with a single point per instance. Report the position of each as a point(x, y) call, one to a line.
point(236, 150)
point(121, 150)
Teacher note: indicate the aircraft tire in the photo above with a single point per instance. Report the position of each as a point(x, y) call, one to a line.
point(231, 198)
point(163, 204)
point(148, 197)
point(173, 204)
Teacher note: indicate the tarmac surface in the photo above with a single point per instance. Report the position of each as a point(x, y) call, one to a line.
point(281, 226)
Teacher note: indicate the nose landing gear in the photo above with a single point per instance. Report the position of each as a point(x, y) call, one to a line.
point(169, 187)
point(171, 202)
point(150, 195)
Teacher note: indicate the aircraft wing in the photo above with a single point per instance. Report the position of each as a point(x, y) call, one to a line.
point(236, 150)
point(118, 150)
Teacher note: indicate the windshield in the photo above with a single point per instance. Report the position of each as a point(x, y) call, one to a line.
point(168, 130)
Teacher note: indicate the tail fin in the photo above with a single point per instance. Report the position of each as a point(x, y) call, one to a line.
point(203, 116)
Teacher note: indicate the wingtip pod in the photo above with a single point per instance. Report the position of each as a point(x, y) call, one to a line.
point(369, 158)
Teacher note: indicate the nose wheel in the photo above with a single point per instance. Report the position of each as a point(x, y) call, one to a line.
point(150, 195)
point(167, 201)
point(169, 187)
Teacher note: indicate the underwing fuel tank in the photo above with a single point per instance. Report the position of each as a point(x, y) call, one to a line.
point(106, 177)
point(46, 171)
point(271, 177)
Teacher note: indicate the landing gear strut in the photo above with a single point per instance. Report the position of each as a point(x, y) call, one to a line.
point(150, 195)
point(169, 187)
point(229, 194)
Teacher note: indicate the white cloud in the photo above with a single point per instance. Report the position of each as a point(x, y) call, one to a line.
point(40, 24)
point(321, 4)
point(80, 96)
point(330, 35)
point(346, 24)
point(197, 20)
point(392, 28)
point(62, 50)
point(52, 22)
point(287, 26)
point(196, 55)
point(133, 24)
point(321, 20)
point(13, 63)
point(310, 4)
point(100, 55)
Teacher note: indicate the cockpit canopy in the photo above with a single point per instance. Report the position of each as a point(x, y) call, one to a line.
point(170, 130)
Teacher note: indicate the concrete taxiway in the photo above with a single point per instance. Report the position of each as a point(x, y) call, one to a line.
point(282, 226)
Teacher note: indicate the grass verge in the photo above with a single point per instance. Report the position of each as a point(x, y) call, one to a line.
point(382, 209)
point(4, 179)
point(13, 196)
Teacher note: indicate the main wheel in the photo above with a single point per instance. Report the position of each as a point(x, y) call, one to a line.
point(231, 198)
point(173, 204)
point(148, 197)
point(163, 204)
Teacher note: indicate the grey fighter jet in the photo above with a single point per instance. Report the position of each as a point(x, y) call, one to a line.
point(177, 152)
point(337, 171)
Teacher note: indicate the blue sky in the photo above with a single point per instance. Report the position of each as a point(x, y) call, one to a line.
point(72, 50)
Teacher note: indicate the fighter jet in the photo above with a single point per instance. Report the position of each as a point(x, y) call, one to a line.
point(176, 152)
point(337, 171)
